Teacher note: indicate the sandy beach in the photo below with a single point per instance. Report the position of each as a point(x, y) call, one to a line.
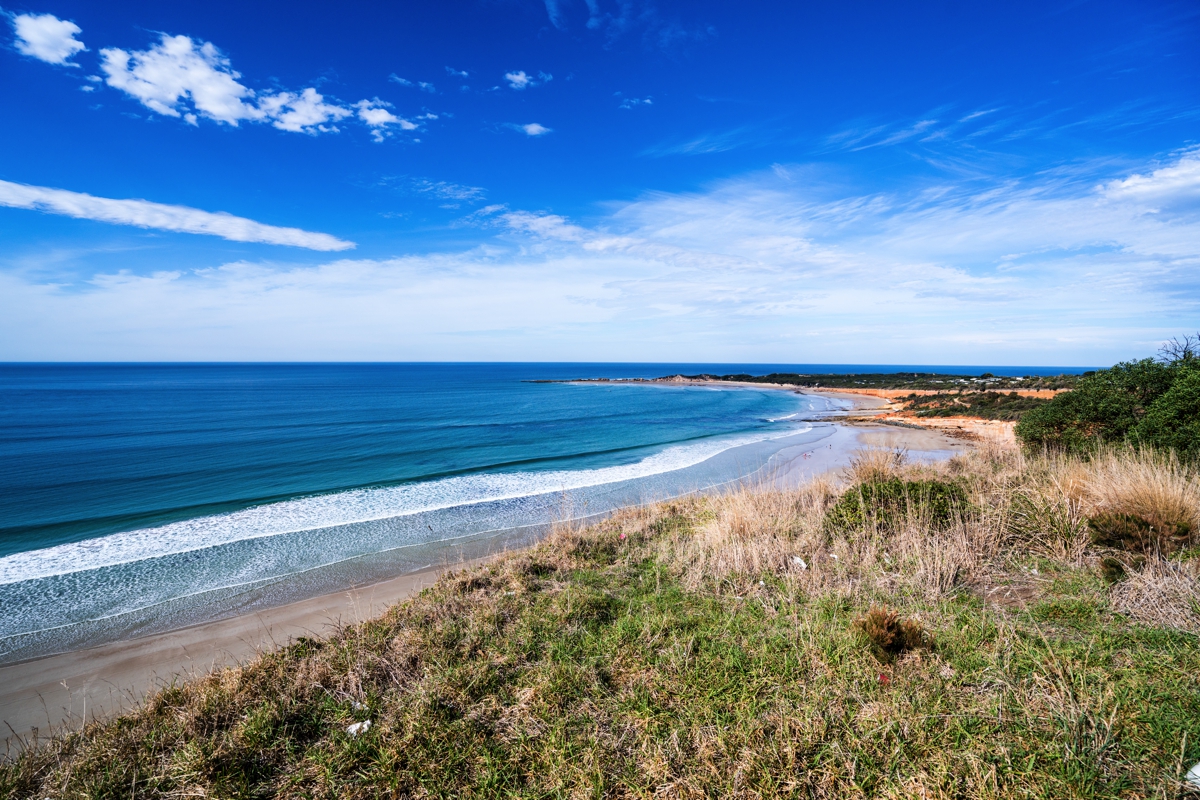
point(64, 690)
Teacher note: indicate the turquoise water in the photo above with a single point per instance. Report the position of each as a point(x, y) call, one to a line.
point(140, 498)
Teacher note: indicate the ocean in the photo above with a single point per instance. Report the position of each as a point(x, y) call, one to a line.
point(141, 498)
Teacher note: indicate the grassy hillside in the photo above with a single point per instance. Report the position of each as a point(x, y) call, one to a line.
point(931, 631)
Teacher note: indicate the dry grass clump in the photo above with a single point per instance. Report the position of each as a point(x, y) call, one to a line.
point(748, 533)
point(876, 464)
point(1045, 520)
point(1142, 499)
point(1162, 593)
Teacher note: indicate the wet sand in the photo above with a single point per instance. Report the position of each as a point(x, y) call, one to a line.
point(62, 691)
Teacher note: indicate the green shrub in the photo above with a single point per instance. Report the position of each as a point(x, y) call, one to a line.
point(1173, 420)
point(887, 503)
point(1105, 406)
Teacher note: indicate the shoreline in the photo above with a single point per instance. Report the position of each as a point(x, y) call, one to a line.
point(48, 694)
point(43, 695)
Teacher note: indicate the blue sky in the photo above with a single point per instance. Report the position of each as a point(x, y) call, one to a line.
point(596, 180)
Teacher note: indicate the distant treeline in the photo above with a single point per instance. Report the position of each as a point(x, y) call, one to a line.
point(902, 380)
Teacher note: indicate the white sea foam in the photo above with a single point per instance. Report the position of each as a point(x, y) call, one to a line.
point(354, 506)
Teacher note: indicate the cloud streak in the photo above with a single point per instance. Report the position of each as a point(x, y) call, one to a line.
point(159, 216)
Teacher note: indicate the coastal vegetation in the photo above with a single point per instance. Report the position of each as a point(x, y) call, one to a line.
point(1152, 402)
point(924, 381)
point(1009, 406)
point(979, 627)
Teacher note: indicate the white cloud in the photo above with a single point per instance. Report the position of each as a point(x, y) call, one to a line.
point(182, 78)
point(519, 80)
point(376, 115)
point(634, 102)
point(1177, 182)
point(535, 129)
point(177, 73)
point(306, 112)
point(158, 216)
point(457, 73)
point(48, 38)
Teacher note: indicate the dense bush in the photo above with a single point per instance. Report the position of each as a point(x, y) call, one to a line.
point(888, 503)
point(1145, 402)
point(1173, 420)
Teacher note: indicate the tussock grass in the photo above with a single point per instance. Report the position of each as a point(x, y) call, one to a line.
point(1147, 490)
point(728, 646)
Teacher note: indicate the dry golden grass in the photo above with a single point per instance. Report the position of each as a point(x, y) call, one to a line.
point(749, 531)
point(875, 464)
point(1022, 507)
point(1154, 486)
point(1162, 593)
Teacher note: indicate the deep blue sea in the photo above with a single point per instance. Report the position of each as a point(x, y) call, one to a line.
point(139, 498)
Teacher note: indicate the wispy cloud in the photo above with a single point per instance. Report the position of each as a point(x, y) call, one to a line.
point(452, 195)
point(715, 142)
point(424, 86)
point(554, 13)
point(158, 216)
point(1082, 266)
point(457, 73)
point(635, 19)
point(635, 102)
point(47, 38)
point(945, 127)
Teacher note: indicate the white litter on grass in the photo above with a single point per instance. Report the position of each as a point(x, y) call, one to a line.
point(799, 562)
point(834, 556)
point(359, 727)
point(358, 706)
point(1193, 776)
